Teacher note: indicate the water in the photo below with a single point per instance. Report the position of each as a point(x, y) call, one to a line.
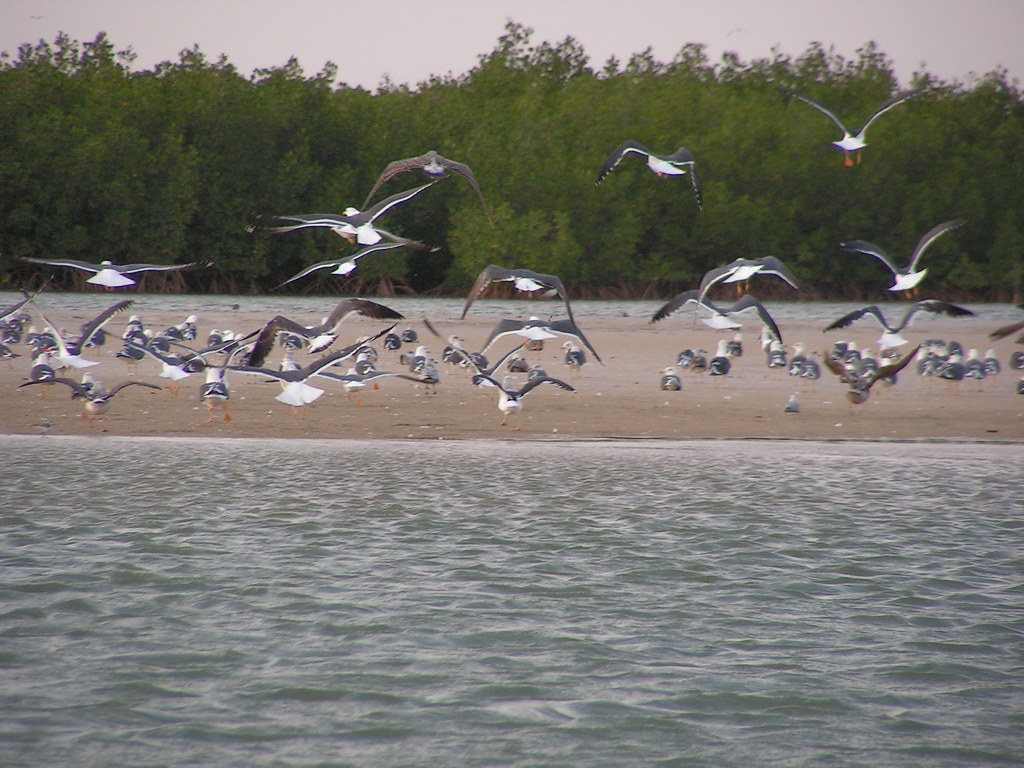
point(341, 603)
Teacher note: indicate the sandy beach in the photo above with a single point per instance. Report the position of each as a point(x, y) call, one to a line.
point(618, 400)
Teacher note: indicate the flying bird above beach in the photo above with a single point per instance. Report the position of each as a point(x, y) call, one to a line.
point(510, 400)
point(113, 275)
point(720, 315)
point(677, 164)
point(433, 165)
point(905, 278)
point(347, 266)
point(854, 141)
point(891, 337)
point(860, 380)
point(97, 397)
point(524, 280)
point(537, 329)
point(70, 352)
point(317, 337)
point(742, 270)
point(1004, 331)
point(352, 224)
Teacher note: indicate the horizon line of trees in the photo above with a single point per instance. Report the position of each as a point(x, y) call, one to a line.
point(172, 164)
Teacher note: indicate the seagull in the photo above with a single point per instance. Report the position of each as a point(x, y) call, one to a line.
point(742, 270)
point(792, 405)
point(318, 337)
point(575, 358)
point(670, 381)
point(860, 383)
point(536, 329)
point(353, 224)
point(295, 391)
point(854, 141)
point(891, 337)
point(97, 398)
point(523, 280)
point(905, 278)
point(720, 315)
point(69, 353)
point(510, 401)
point(433, 165)
point(676, 164)
point(355, 382)
point(343, 267)
point(1004, 331)
point(113, 275)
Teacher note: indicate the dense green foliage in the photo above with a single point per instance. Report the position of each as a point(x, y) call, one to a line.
point(98, 161)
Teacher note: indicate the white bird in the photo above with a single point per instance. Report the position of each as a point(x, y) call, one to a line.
point(510, 401)
point(670, 381)
point(854, 141)
point(112, 275)
point(69, 352)
point(536, 329)
point(891, 336)
point(906, 278)
point(677, 164)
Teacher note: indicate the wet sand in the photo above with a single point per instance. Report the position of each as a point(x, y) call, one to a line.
point(619, 400)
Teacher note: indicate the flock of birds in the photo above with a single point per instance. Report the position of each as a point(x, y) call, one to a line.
point(54, 353)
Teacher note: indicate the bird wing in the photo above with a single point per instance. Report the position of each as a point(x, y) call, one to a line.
point(676, 302)
point(569, 328)
point(504, 326)
point(538, 380)
point(894, 101)
point(620, 152)
point(132, 268)
point(930, 236)
point(886, 371)
point(304, 220)
point(696, 186)
point(821, 108)
point(490, 273)
point(1003, 331)
point(102, 319)
point(836, 366)
point(857, 314)
point(118, 387)
point(396, 167)
point(385, 205)
point(69, 263)
point(338, 262)
point(363, 307)
point(746, 301)
point(774, 266)
point(405, 242)
point(27, 297)
point(79, 390)
point(862, 246)
point(716, 275)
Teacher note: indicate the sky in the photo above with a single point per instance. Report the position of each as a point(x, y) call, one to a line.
point(407, 41)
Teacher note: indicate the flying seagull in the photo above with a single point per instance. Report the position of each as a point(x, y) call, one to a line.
point(97, 398)
point(510, 401)
point(1006, 330)
point(347, 266)
point(354, 225)
point(523, 280)
point(69, 352)
point(719, 314)
point(537, 329)
point(891, 337)
point(741, 270)
point(861, 381)
point(113, 275)
point(433, 165)
point(676, 164)
point(854, 141)
point(905, 278)
point(318, 337)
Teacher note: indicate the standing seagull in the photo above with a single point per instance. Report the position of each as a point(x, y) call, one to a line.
point(891, 337)
point(112, 275)
point(97, 398)
point(433, 165)
point(855, 141)
point(676, 164)
point(905, 278)
point(523, 280)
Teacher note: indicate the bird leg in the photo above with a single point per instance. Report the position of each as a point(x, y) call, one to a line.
point(846, 160)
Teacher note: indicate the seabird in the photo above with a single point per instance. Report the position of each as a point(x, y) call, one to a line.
point(574, 357)
point(1004, 331)
point(676, 164)
point(69, 352)
point(720, 316)
point(510, 401)
point(791, 406)
point(859, 385)
point(97, 398)
point(523, 280)
point(434, 166)
point(355, 382)
point(318, 337)
point(854, 141)
point(113, 275)
point(905, 278)
point(742, 270)
point(352, 224)
point(536, 329)
point(720, 363)
point(670, 381)
point(342, 266)
point(891, 337)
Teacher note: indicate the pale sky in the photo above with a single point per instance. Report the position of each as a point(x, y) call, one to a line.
point(409, 40)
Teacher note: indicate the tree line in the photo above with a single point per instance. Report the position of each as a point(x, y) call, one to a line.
point(173, 164)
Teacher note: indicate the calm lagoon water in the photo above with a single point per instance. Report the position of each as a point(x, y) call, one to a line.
point(341, 603)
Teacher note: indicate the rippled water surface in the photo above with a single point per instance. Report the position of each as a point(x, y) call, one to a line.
point(748, 603)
